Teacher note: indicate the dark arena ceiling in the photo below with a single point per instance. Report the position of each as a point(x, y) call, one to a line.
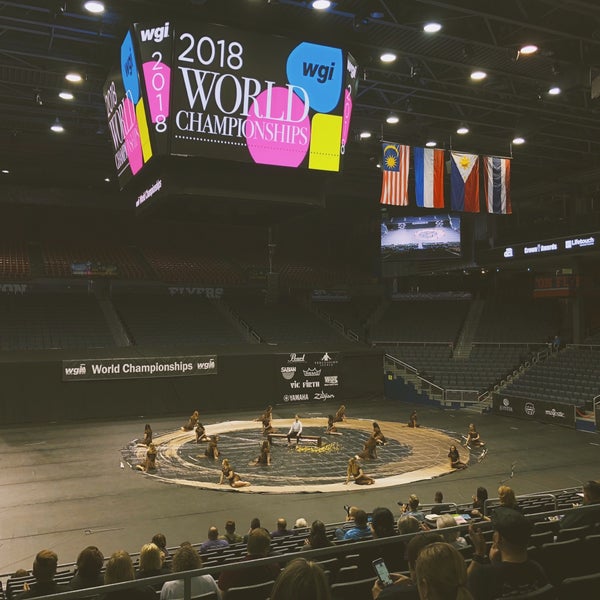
point(428, 86)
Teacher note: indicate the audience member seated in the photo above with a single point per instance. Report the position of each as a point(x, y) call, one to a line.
point(44, 570)
point(350, 514)
point(481, 495)
point(282, 529)
point(186, 558)
point(361, 529)
point(441, 573)
point(451, 537)
point(230, 535)
point(161, 541)
point(383, 526)
point(16, 575)
point(405, 588)
point(151, 563)
point(259, 546)
point(408, 524)
point(89, 569)
point(585, 516)
point(119, 568)
point(214, 542)
point(317, 538)
point(301, 580)
point(507, 570)
point(412, 508)
point(440, 507)
point(255, 524)
point(300, 524)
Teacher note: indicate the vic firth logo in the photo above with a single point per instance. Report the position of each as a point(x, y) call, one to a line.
point(156, 34)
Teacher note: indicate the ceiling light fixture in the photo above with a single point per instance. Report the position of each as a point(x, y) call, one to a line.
point(518, 140)
point(74, 77)
point(5, 171)
point(94, 7)
point(107, 179)
point(528, 49)
point(57, 126)
point(554, 90)
point(388, 57)
point(478, 75)
point(321, 4)
point(462, 130)
point(431, 144)
point(66, 95)
point(365, 135)
point(432, 27)
point(392, 119)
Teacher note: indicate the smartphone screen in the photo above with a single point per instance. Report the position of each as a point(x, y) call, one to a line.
point(382, 572)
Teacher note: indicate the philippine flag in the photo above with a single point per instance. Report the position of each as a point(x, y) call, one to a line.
point(496, 178)
point(394, 189)
point(464, 182)
point(429, 177)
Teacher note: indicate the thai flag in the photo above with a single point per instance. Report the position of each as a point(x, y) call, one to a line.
point(429, 177)
point(496, 178)
point(394, 189)
point(464, 182)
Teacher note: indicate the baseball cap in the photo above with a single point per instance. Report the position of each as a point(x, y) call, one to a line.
point(512, 526)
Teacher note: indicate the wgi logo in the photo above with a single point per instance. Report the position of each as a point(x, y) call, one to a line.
point(529, 409)
point(288, 372)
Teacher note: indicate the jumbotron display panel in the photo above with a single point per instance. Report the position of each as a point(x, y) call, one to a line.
point(201, 90)
point(431, 235)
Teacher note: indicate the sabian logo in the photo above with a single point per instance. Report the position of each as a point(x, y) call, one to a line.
point(288, 372)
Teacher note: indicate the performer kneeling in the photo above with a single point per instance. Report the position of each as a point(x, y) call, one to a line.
point(147, 435)
point(193, 421)
point(200, 433)
point(331, 428)
point(412, 420)
point(369, 450)
point(150, 463)
point(355, 472)
point(295, 431)
point(264, 458)
point(454, 457)
point(212, 450)
point(377, 434)
point(229, 475)
point(340, 415)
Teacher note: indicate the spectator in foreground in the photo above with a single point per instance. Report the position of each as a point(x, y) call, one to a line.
point(151, 563)
point(441, 573)
point(317, 538)
point(585, 516)
point(230, 535)
point(300, 523)
point(350, 514)
point(507, 570)
point(282, 529)
point(119, 568)
point(44, 570)
point(213, 542)
point(89, 566)
point(412, 508)
point(382, 526)
point(451, 537)
point(259, 546)
point(187, 559)
point(255, 524)
point(481, 495)
point(361, 529)
point(300, 580)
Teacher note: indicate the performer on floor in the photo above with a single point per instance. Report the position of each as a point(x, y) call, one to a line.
point(412, 420)
point(340, 415)
point(295, 431)
point(264, 458)
point(229, 475)
point(193, 421)
point(378, 435)
point(149, 463)
point(356, 473)
point(369, 451)
point(200, 433)
point(331, 428)
point(212, 450)
point(473, 439)
point(454, 457)
point(147, 435)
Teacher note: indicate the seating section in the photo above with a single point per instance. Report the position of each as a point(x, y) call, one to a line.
point(14, 261)
point(571, 376)
point(48, 321)
point(353, 314)
point(284, 322)
point(173, 320)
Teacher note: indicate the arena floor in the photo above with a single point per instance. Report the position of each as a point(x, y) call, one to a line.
point(69, 485)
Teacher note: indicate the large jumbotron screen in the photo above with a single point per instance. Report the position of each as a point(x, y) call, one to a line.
point(201, 90)
point(431, 235)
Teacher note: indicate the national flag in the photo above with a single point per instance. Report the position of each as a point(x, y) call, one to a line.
point(496, 179)
point(429, 177)
point(394, 189)
point(464, 182)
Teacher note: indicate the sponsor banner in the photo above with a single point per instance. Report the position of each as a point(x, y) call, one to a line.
point(330, 296)
point(14, 288)
point(304, 377)
point(137, 368)
point(539, 410)
point(91, 268)
point(206, 292)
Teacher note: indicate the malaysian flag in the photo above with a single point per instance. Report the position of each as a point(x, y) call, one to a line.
point(394, 189)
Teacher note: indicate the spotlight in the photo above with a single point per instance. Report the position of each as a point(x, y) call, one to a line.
point(365, 135)
point(528, 49)
point(321, 4)
point(66, 95)
point(74, 77)
point(478, 75)
point(388, 57)
point(392, 119)
point(57, 126)
point(432, 27)
point(554, 90)
point(431, 144)
point(462, 130)
point(94, 7)
point(518, 140)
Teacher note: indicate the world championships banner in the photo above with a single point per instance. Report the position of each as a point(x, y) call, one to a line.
point(306, 377)
point(137, 368)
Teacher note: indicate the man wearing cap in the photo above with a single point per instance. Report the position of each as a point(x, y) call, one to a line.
point(507, 571)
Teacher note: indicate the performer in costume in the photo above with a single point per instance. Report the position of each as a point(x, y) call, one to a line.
point(147, 435)
point(356, 473)
point(212, 450)
point(229, 475)
point(473, 438)
point(369, 450)
point(150, 463)
point(412, 420)
point(194, 418)
point(340, 415)
point(378, 435)
point(454, 457)
point(267, 426)
point(264, 458)
point(200, 433)
point(331, 428)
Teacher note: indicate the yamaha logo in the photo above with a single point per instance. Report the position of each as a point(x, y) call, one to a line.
point(530, 409)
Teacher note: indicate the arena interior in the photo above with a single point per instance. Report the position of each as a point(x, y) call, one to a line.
point(245, 286)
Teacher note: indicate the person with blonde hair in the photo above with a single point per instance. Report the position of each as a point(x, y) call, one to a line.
point(507, 498)
point(192, 422)
point(229, 475)
point(151, 562)
point(441, 573)
point(119, 569)
point(299, 580)
point(356, 473)
point(452, 537)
